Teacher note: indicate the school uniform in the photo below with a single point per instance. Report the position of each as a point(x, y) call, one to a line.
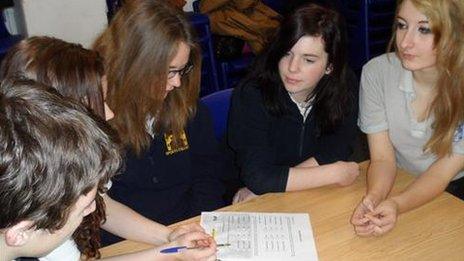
point(266, 145)
point(169, 185)
point(386, 94)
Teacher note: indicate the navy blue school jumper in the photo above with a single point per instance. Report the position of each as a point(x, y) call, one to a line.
point(168, 185)
point(266, 146)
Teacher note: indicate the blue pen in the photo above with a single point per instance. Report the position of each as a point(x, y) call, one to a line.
point(173, 250)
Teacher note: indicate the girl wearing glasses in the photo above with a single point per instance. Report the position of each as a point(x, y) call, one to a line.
point(79, 77)
point(152, 66)
point(411, 109)
point(293, 119)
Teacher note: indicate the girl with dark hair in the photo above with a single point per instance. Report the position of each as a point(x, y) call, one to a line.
point(152, 64)
point(293, 119)
point(78, 73)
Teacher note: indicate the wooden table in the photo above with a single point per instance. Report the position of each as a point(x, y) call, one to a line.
point(432, 232)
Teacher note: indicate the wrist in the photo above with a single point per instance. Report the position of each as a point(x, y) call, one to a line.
point(396, 201)
point(167, 235)
point(376, 198)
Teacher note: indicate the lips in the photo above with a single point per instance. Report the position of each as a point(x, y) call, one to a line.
point(291, 80)
point(407, 56)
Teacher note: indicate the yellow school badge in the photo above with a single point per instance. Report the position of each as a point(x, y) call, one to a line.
point(181, 140)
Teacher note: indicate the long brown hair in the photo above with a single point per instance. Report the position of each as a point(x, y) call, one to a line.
point(71, 69)
point(447, 24)
point(74, 72)
point(137, 48)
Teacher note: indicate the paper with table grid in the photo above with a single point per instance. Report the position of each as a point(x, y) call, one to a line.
point(261, 236)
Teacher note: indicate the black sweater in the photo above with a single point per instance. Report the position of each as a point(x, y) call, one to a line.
point(266, 146)
point(169, 187)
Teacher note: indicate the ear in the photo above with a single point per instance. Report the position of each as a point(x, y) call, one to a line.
point(19, 234)
point(329, 69)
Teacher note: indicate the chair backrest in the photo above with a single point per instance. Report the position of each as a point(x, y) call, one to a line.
point(218, 104)
point(3, 31)
point(196, 6)
point(209, 74)
point(369, 25)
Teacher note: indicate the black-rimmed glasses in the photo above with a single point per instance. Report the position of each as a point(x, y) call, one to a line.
point(187, 69)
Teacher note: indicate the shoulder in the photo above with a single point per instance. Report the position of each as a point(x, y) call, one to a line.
point(247, 97)
point(248, 91)
point(202, 114)
point(383, 64)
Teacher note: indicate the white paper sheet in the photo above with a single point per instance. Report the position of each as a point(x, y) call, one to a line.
point(261, 236)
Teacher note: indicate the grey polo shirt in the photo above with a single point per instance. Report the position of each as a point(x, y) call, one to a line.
point(385, 100)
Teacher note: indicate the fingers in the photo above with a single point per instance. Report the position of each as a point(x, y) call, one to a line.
point(238, 197)
point(379, 231)
point(203, 253)
point(183, 229)
point(365, 231)
point(368, 203)
point(358, 218)
point(243, 194)
point(193, 237)
point(193, 227)
point(356, 221)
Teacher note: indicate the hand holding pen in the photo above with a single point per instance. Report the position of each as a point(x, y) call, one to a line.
point(177, 249)
point(200, 246)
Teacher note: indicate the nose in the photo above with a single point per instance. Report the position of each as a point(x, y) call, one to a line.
point(293, 64)
point(175, 81)
point(407, 39)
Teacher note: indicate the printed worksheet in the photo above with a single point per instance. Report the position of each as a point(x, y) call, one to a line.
point(261, 236)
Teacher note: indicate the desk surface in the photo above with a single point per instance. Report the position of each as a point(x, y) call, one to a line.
point(434, 231)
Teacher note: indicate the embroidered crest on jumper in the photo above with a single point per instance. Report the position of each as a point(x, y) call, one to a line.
point(183, 143)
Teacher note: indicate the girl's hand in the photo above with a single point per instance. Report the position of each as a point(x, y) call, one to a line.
point(243, 194)
point(183, 229)
point(192, 239)
point(384, 217)
point(362, 224)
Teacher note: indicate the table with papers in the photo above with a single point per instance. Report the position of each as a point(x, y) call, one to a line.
point(434, 231)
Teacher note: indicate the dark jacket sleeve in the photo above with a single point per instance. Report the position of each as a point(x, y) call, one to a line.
point(249, 125)
point(207, 189)
point(338, 145)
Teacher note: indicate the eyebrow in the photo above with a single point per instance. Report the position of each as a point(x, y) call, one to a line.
point(420, 22)
point(310, 55)
point(175, 67)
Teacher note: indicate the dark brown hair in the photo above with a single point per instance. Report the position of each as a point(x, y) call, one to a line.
point(71, 69)
point(74, 72)
point(137, 48)
point(332, 97)
point(51, 152)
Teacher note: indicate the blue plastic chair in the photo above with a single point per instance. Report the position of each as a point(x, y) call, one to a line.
point(218, 104)
point(369, 27)
point(6, 39)
point(209, 74)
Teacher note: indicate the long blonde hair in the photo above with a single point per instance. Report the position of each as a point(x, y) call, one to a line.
point(137, 48)
point(447, 24)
